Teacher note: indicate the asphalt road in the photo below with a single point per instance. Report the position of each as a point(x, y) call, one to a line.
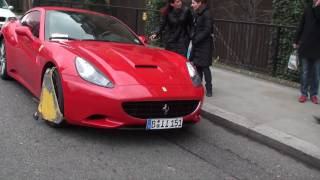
point(30, 149)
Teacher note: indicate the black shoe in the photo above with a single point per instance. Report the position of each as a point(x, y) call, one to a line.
point(209, 94)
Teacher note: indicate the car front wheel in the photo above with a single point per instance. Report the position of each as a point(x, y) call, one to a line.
point(59, 94)
point(3, 61)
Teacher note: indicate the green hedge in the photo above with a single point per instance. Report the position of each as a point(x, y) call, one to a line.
point(287, 13)
point(152, 23)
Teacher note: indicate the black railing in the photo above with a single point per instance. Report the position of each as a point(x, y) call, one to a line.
point(257, 47)
point(254, 46)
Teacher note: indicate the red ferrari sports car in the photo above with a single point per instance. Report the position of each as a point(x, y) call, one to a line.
point(104, 74)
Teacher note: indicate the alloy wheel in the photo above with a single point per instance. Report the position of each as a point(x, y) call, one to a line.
point(3, 59)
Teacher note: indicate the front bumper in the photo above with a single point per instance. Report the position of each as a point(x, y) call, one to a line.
point(90, 105)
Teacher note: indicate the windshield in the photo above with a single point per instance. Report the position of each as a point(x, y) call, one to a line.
point(3, 4)
point(85, 26)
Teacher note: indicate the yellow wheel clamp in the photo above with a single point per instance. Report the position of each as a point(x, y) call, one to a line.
point(48, 108)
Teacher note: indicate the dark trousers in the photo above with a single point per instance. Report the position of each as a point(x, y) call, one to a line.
point(182, 50)
point(207, 76)
point(179, 47)
point(310, 76)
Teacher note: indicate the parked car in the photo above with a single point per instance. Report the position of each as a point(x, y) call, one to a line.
point(104, 74)
point(5, 12)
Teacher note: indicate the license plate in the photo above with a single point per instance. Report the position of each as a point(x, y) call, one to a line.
point(167, 123)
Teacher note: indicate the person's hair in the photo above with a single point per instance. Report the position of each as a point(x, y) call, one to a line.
point(168, 8)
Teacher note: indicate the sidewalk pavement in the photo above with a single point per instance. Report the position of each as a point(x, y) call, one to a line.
point(267, 112)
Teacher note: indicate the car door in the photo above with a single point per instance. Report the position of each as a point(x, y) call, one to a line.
point(27, 65)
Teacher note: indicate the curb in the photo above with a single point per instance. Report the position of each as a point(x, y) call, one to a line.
point(285, 143)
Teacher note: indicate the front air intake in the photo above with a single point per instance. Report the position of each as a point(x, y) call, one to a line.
point(146, 66)
point(160, 109)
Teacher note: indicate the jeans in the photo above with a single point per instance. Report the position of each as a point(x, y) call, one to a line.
point(207, 76)
point(310, 76)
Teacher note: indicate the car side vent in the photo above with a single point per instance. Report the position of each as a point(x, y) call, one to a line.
point(146, 66)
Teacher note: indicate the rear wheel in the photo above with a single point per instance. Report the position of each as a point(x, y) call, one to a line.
point(59, 94)
point(3, 61)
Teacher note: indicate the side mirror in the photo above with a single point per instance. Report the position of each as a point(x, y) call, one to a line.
point(24, 31)
point(10, 7)
point(144, 39)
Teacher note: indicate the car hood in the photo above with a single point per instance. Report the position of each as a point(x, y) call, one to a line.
point(127, 64)
point(6, 13)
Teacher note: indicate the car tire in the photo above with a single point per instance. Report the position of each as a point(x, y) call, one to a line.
point(3, 61)
point(59, 93)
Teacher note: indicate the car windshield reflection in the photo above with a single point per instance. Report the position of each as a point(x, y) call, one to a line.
point(71, 25)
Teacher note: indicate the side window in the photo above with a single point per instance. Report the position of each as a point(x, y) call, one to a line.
point(32, 20)
point(24, 19)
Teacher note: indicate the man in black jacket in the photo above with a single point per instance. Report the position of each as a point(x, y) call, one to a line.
point(308, 43)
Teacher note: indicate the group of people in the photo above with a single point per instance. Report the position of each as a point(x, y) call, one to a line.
point(183, 26)
point(307, 42)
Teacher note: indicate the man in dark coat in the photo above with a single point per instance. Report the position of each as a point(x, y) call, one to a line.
point(176, 21)
point(202, 42)
point(308, 43)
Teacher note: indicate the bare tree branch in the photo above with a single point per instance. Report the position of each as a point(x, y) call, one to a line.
point(249, 7)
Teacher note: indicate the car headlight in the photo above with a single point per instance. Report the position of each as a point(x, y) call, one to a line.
point(196, 80)
point(89, 73)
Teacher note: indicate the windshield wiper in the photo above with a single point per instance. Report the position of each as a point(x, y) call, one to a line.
point(74, 39)
point(95, 40)
point(63, 37)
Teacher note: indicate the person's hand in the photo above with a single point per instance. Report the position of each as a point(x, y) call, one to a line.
point(295, 46)
point(317, 3)
point(153, 37)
